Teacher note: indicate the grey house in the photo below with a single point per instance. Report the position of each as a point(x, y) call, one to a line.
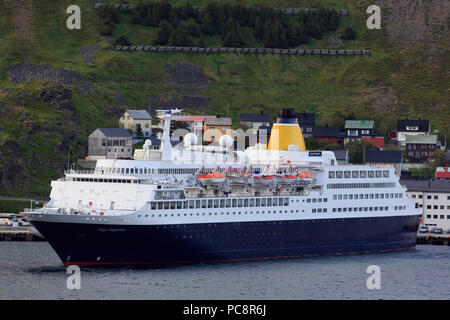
point(110, 143)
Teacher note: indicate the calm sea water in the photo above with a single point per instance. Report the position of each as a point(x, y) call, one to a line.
point(31, 270)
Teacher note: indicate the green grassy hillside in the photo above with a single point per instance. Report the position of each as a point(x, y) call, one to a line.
point(396, 81)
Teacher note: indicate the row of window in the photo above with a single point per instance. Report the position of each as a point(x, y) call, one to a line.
point(314, 200)
point(358, 174)
point(429, 197)
point(418, 154)
point(114, 143)
point(436, 207)
point(105, 180)
point(117, 150)
point(367, 196)
point(360, 209)
point(149, 170)
point(435, 216)
point(219, 203)
point(360, 185)
point(218, 213)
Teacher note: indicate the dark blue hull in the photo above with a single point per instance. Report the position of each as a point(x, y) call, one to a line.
point(95, 244)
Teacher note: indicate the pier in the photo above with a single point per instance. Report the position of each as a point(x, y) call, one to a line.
point(432, 238)
point(9, 233)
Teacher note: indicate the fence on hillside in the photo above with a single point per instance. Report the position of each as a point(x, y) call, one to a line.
point(325, 52)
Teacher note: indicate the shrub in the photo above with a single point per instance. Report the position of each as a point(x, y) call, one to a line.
point(106, 29)
point(349, 34)
point(122, 41)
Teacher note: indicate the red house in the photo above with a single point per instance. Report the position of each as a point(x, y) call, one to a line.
point(420, 147)
point(330, 134)
point(443, 172)
point(376, 141)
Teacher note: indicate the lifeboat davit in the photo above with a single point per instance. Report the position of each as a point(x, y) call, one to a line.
point(212, 178)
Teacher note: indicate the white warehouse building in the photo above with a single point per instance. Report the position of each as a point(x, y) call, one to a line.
point(434, 197)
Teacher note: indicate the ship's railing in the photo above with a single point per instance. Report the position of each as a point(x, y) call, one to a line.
point(72, 171)
point(30, 210)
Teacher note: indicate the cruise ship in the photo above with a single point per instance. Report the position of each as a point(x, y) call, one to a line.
point(192, 203)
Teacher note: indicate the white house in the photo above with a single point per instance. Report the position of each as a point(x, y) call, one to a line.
point(411, 128)
point(132, 120)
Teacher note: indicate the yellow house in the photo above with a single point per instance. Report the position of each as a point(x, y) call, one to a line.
point(216, 127)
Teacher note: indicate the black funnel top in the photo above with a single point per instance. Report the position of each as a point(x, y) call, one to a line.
point(287, 116)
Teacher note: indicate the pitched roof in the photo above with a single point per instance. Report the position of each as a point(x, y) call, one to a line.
point(385, 156)
point(439, 186)
point(139, 114)
point(422, 125)
point(194, 118)
point(341, 154)
point(155, 141)
point(115, 132)
point(326, 132)
point(218, 121)
point(443, 172)
point(376, 141)
point(306, 118)
point(254, 117)
point(359, 124)
point(431, 139)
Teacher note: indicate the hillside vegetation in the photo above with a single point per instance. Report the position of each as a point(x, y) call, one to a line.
point(58, 85)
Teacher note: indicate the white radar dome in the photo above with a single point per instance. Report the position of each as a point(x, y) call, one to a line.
point(190, 139)
point(226, 141)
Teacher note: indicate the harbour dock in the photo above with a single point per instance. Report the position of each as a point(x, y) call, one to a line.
point(432, 238)
point(21, 233)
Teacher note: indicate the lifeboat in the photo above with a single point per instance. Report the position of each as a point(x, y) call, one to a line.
point(237, 177)
point(285, 178)
point(212, 178)
point(263, 179)
point(305, 177)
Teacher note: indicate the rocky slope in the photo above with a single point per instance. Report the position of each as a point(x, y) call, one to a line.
point(57, 86)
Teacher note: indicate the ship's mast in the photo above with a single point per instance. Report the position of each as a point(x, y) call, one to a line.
point(166, 145)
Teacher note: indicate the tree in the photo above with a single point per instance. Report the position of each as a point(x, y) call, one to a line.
point(349, 34)
point(233, 37)
point(193, 29)
point(138, 130)
point(163, 33)
point(269, 37)
point(356, 150)
point(136, 19)
point(109, 14)
point(122, 41)
point(106, 29)
point(180, 37)
point(312, 144)
point(201, 43)
point(333, 21)
point(258, 29)
point(189, 10)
